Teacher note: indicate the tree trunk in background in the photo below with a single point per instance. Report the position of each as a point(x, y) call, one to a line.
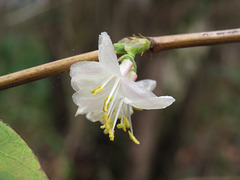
point(167, 149)
point(146, 124)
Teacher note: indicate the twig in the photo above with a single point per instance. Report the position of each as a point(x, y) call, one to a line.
point(194, 39)
point(157, 44)
point(45, 70)
point(212, 178)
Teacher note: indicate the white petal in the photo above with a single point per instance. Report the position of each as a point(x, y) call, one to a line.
point(153, 102)
point(86, 68)
point(132, 75)
point(139, 97)
point(96, 116)
point(87, 102)
point(125, 66)
point(87, 75)
point(148, 84)
point(106, 54)
point(80, 111)
point(83, 82)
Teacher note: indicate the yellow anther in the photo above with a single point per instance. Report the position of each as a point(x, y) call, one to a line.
point(107, 125)
point(105, 118)
point(97, 90)
point(106, 105)
point(111, 135)
point(105, 131)
point(120, 126)
point(139, 109)
point(126, 122)
point(110, 122)
point(133, 138)
point(103, 126)
point(124, 128)
point(107, 122)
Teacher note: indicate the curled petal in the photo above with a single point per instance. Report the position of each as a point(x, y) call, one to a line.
point(106, 54)
point(148, 84)
point(139, 97)
point(160, 102)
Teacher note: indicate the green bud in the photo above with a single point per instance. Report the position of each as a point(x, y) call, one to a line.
point(120, 48)
point(129, 47)
point(137, 46)
point(126, 39)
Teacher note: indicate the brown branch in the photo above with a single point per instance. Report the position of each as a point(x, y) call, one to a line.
point(194, 39)
point(158, 44)
point(45, 70)
point(212, 178)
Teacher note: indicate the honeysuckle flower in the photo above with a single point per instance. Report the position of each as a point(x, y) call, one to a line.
point(122, 111)
point(107, 92)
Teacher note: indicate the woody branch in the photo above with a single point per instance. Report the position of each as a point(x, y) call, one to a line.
point(157, 44)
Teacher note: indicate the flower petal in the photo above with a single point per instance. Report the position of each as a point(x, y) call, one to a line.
point(87, 102)
point(125, 67)
point(148, 84)
point(87, 75)
point(106, 54)
point(87, 67)
point(160, 102)
point(96, 116)
point(139, 97)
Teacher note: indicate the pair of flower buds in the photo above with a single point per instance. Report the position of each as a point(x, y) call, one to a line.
point(107, 91)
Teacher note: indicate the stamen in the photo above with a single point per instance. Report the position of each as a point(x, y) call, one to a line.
point(105, 131)
point(133, 138)
point(104, 84)
point(105, 118)
point(113, 102)
point(120, 126)
point(97, 90)
point(111, 135)
point(101, 87)
point(126, 122)
point(129, 109)
point(113, 90)
point(106, 105)
point(115, 120)
point(112, 105)
point(107, 121)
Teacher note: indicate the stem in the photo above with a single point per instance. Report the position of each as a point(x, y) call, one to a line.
point(44, 70)
point(157, 44)
point(194, 39)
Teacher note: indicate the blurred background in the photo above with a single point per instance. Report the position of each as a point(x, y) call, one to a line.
point(197, 136)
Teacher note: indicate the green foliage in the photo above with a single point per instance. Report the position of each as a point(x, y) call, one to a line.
point(26, 108)
point(16, 159)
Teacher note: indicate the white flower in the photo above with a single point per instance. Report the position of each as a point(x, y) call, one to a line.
point(120, 111)
point(107, 91)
